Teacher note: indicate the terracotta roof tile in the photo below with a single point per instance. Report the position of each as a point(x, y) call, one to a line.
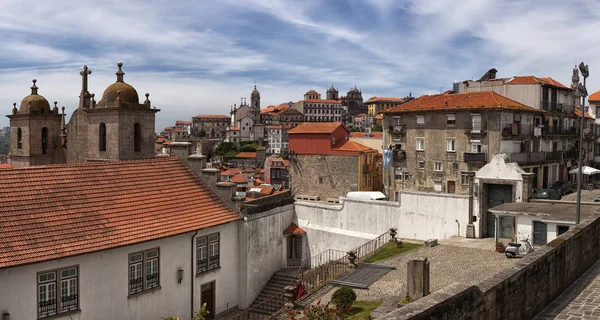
point(374, 135)
point(535, 80)
point(595, 97)
point(577, 112)
point(51, 212)
point(322, 101)
point(234, 128)
point(350, 145)
point(211, 116)
point(315, 127)
point(274, 127)
point(384, 99)
point(246, 155)
point(294, 229)
point(230, 172)
point(486, 100)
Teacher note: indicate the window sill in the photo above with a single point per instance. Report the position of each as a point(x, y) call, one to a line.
point(420, 150)
point(451, 151)
point(198, 274)
point(141, 293)
point(60, 315)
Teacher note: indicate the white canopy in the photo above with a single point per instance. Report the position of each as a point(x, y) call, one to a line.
point(585, 170)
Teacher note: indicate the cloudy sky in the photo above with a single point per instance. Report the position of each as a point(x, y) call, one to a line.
point(200, 57)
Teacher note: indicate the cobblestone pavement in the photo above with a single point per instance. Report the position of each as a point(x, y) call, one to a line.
point(580, 301)
point(447, 265)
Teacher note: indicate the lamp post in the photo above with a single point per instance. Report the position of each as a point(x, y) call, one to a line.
point(583, 68)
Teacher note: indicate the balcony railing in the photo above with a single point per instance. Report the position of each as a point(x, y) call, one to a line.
point(397, 130)
point(516, 129)
point(556, 107)
point(535, 157)
point(475, 157)
point(476, 127)
point(399, 155)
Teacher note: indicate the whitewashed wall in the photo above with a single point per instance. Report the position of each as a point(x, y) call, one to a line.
point(419, 216)
point(103, 281)
point(262, 250)
point(525, 227)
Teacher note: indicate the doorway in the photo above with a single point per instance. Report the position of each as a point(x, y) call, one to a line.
point(294, 250)
point(535, 178)
point(545, 177)
point(207, 295)
point(498, 194)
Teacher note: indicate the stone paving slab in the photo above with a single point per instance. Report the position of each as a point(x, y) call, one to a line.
point(580, 301)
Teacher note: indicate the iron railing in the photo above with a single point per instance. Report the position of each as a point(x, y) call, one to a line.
point(517, 129)
point(476, 126)
point(315, 273)
point(267, 308)
point(475, 157)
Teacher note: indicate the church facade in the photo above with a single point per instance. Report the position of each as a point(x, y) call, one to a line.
point(245, 121)
point(118, 127)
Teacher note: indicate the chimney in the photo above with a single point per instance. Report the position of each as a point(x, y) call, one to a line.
point(211, 176)
point(180, 150)
point(197, 163)
point(226, 192)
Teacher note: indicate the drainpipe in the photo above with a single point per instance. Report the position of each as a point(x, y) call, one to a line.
point(192, 272)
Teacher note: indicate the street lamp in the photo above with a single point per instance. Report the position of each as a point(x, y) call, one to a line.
point(585, 72)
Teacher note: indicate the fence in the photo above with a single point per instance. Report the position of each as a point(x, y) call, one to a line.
point(314, 274)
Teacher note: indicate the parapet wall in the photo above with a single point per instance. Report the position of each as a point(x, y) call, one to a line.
point(518, 292)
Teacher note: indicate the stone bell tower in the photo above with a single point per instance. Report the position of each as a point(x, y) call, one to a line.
point(35, 131)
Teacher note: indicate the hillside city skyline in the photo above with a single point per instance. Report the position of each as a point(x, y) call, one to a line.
point(206, 64)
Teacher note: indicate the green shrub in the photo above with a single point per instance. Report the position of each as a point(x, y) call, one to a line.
point(343, 298)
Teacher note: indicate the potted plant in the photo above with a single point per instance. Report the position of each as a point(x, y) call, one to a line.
point(500, 247)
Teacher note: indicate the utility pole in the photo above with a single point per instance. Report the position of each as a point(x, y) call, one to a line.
point(583, 92)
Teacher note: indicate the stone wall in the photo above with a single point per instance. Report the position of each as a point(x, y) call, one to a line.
point(519, 292)
point(326, 176)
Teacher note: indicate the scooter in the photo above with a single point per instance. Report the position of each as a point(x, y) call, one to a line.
point(516, 250)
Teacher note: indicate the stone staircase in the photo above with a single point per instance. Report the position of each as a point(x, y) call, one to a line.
point(266, 303)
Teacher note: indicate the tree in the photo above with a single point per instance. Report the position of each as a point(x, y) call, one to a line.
point(224, 147)
point(377, 128)
point(343, 298)
point(354, 129)
point(249, 147)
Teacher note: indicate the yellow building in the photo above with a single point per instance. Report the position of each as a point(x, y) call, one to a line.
point(378, 104)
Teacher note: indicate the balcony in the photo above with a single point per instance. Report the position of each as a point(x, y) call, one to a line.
point(556, 107)
point(398, 157)
point(397, 130)
point(473, 158)
point(512, 129)
point(478, 128)
point(537, 157)
point(556, 130)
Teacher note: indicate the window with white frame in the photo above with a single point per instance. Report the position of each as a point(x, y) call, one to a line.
point(437, 166)
point(397, 121)
point(51, 302)
point(451, 145)
point(476, 147)
point(420, 119)
point(143, 271)
point(420, 142)
point(464, 178)
point(398, 174)
point(207, 253)
point(421, 164)
point(450, 119)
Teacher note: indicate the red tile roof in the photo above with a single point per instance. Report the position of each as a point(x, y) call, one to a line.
point(246, 155)
point(379, 117)
point(275, 109)
point(315, 127)
point(535, 80)
point(595, 97)
point(274, 127)
point(294, 229)
point(211, 116)
point(384, 99)
point(235, 129)
point(486, 100)
point(230, 172)
point(182, 122)
point(350, 145)
point(322, 101)
point(51, 212)
point(374, 135)
point(577, 112)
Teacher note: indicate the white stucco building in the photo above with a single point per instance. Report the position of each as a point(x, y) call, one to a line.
point(99, 241)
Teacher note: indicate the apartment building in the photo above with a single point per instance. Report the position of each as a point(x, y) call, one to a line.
point(555, 149)
point(210, 126)
point(376, 105)
point(439, 139)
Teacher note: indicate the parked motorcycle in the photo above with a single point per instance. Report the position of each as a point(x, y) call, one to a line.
point(516, 250)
